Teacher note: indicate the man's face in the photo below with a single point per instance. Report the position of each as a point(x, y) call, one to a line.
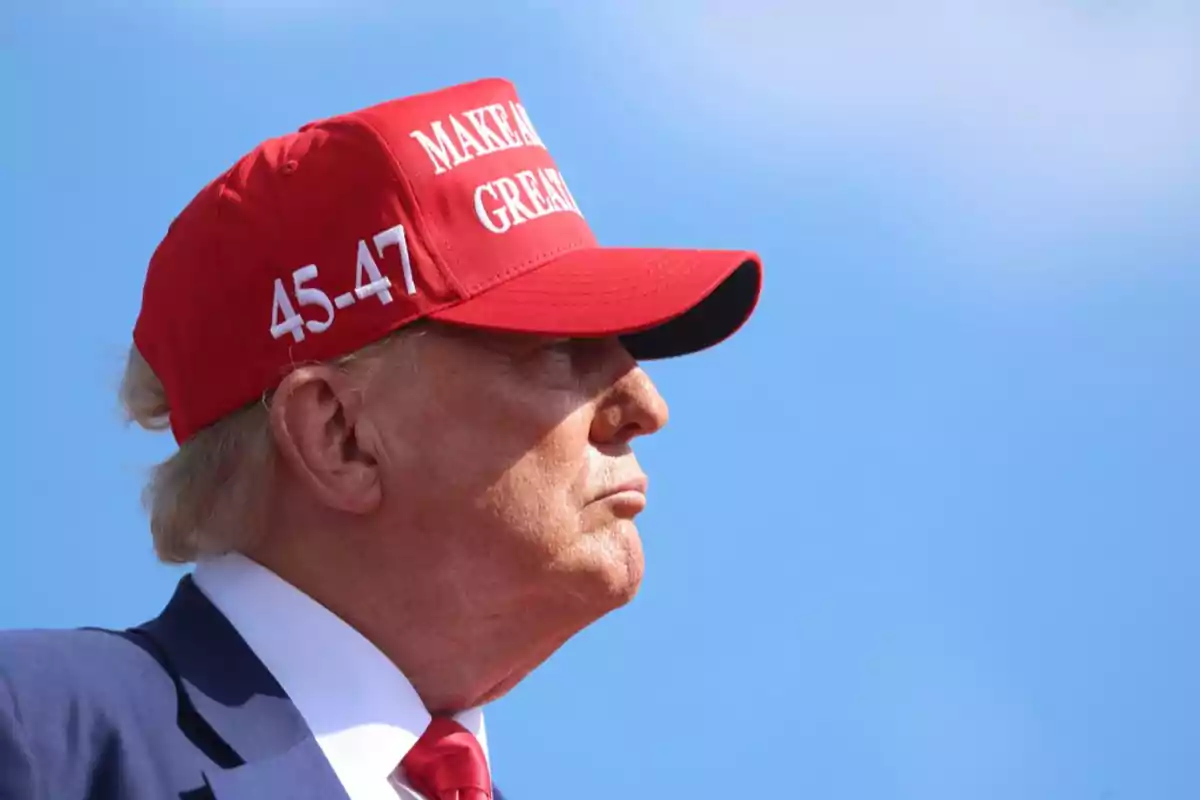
point(506, 463)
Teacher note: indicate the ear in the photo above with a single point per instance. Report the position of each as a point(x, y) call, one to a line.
point(313, 416)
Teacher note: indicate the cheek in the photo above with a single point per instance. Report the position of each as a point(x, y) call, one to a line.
point(542, 492)
point(496, 471)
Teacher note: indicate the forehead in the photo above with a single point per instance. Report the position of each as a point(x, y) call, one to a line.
point(468, 341)
point(533, 361)
point(435, 349)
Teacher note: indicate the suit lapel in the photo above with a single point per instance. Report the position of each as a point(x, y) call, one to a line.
point(242, 719)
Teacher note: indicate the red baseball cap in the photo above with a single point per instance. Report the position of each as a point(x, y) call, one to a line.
point(443, 206)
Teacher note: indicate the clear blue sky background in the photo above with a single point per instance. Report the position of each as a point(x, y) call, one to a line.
point(926, 530)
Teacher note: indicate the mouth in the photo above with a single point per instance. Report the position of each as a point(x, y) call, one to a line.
point(630, 493)
point(638, 485)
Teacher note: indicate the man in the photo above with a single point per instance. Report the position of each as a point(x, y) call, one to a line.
point(404, 381)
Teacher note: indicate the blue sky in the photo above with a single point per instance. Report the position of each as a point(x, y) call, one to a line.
point(925, 530)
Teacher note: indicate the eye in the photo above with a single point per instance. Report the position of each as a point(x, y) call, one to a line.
point(589, 354)
point(582, 353)
point(565, 345)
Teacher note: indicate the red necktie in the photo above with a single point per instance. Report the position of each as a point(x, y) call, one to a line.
point(447, 763)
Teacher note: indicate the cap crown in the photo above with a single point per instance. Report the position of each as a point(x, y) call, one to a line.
point(319, 242)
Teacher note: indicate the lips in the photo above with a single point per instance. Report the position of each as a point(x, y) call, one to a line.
point(638, 485)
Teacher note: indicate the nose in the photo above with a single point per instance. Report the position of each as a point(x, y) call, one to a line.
point(632, 408)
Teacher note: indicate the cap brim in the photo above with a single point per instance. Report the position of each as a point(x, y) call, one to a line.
point(662, 303)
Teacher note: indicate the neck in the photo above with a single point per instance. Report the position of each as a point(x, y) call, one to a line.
point(455, 651)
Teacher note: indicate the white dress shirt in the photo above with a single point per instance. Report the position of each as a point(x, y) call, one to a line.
point(364, 713)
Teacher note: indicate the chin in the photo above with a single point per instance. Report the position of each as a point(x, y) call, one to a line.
point(621, 564)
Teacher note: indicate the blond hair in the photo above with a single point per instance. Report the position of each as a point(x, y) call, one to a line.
point(209, 497)
point(205, 498)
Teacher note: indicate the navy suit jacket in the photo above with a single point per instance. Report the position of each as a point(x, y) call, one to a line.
point(179, 707)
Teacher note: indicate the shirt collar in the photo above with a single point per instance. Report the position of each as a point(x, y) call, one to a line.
point(361, 708)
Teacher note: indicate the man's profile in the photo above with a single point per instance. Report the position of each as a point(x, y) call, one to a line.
point(405, 384)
